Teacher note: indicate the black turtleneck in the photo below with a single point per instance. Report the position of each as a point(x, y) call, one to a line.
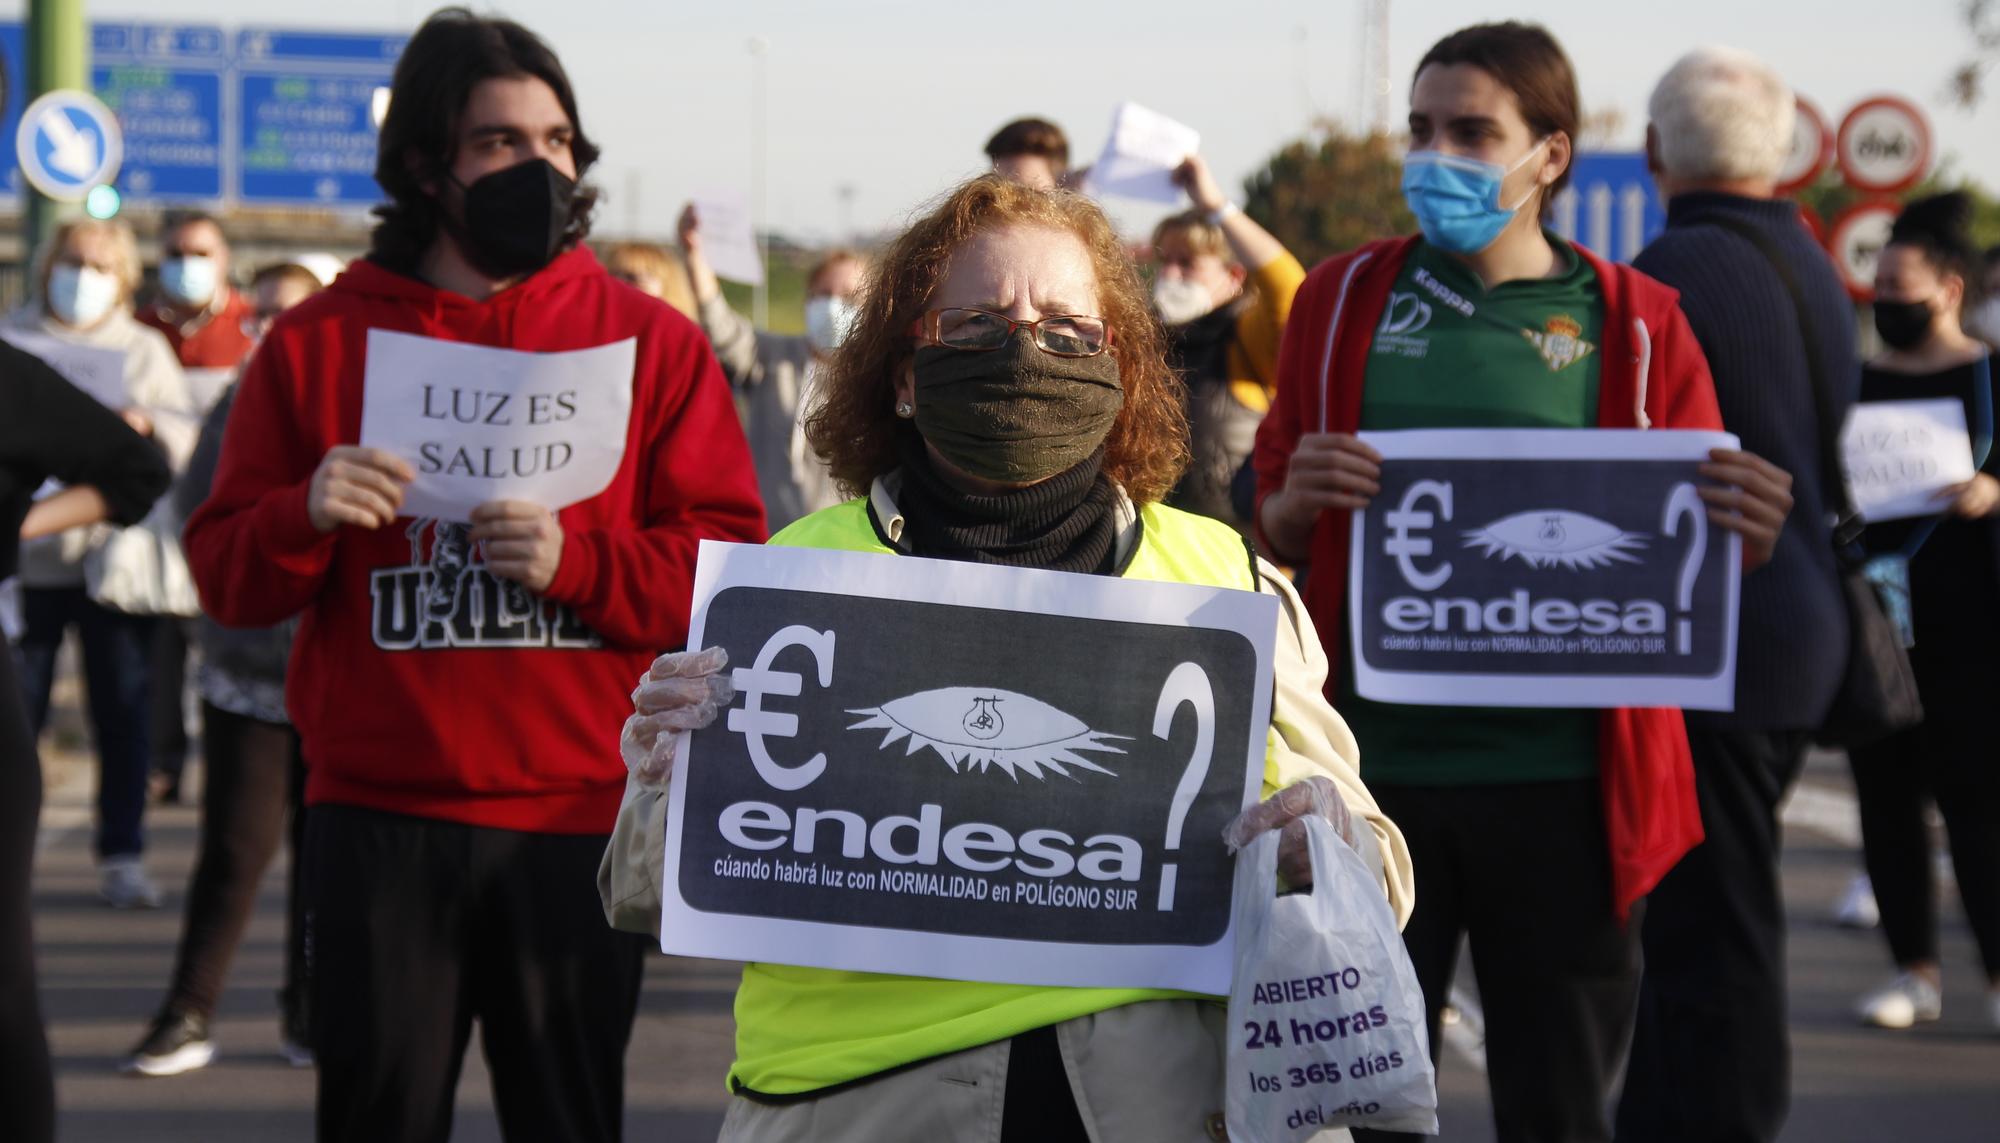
point(1068, 522)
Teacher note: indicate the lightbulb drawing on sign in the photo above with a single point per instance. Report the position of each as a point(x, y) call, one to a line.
point(981, 727)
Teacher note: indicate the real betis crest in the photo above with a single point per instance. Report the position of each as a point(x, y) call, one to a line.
point(1560, 342)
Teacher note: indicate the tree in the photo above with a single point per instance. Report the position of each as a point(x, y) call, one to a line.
point(1331, 192)
point(1982, 24)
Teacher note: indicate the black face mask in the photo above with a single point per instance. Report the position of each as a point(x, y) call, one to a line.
point(516, 219)
point(1903, 325)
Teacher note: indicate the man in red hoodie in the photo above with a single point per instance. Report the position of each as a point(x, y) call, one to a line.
point(1533, 832)
point(459, 684)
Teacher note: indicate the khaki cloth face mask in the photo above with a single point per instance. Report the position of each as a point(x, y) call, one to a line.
point(1015, 415)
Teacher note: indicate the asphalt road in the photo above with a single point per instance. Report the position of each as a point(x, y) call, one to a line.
point(103, 972)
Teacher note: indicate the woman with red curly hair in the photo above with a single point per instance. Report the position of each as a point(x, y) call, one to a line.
point(1004, 399)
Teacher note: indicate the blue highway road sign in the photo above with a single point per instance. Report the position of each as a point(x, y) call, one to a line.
point(1611, 205)
point(167, 85)
point(306, 111)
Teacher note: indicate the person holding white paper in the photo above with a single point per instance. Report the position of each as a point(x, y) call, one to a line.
point(1488, 319)
point(774, 373)
point(85, 280)
point(1004, 400)
point(1948, 568)
point(1223, 286)
point(457, 683)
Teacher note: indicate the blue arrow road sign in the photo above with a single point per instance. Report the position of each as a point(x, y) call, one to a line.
point(1611, 205)
point(67, 143)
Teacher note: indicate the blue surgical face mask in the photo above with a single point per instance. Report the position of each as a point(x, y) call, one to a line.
point(1457, 200)
point(190, 280)
point(80, 296)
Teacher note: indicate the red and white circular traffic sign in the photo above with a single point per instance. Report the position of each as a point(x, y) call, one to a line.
point(1811, 152)
point(1858, 236)
point(1884, 145)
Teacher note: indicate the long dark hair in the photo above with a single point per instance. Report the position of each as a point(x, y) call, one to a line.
point(451, 54)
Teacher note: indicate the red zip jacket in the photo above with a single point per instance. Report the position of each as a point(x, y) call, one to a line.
point(1653, 375)
point(420, 683)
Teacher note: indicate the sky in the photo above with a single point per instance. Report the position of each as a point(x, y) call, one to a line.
point(874, 107)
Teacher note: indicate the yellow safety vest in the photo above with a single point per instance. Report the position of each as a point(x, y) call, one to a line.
point(803, 1029)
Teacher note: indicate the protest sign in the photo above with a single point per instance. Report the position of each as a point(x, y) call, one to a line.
point(479, 423)
point(1140, 156)
point(971, 772)
point(97, 371)
point(1543, 568)
point(728, 237)
point(1900, 454)
point(205, 387)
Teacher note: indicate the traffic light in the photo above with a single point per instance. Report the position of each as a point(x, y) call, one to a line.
point(102, 201)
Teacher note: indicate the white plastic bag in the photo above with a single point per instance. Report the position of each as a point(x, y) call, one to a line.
point(140, 570)
point(1326, 1022)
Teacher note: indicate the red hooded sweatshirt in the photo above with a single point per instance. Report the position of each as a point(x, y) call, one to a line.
point(420, 683)
point(1653, 376)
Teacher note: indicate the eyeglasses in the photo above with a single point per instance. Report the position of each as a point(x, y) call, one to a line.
point(1062, 335)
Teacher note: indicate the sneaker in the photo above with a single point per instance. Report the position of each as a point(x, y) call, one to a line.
point(176, 1042)
point(1857, 908)
point(126, 886)
point(1903, 1002)
point(296, 1054)
point(293, 1043)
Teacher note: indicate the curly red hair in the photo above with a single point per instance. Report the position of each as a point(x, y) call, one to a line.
point(853, 424)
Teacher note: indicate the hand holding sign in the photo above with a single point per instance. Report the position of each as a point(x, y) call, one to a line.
point(358, 486)
point(1142, 154)
point(1754, 503)
point(523, 541)
point(1975, 499)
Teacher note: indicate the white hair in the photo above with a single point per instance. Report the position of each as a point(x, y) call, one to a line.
point(1722, 113)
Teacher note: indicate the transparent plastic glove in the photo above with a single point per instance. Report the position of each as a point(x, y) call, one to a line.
point(1286, 811)
point(682, 691)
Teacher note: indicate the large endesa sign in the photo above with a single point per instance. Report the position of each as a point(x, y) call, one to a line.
point(971, 772)
point(1543, 568)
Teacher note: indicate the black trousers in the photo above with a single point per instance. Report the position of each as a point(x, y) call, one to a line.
point(168, 717)
point(1523, 872)
point(252, 787)
point(1711, 1056)
point(27, 1083)
point(1953, 759)
point(414, 928)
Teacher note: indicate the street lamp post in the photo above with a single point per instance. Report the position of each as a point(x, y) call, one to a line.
point(761, 298)
point(57, 59)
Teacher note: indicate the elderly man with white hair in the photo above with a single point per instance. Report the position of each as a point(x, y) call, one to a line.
point(1711, 1056)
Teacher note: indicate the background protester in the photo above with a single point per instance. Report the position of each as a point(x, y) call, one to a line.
point(1000, 300)
point(49, 430)
point(654, 271)
point(1031, 151)
point(463, 771)
point(1710, 1056)
point(203, 317)
point(1493, 116)
point(1223, 286)
point(85, 281)
point(776, 374)
point(1927, 279)
point(253, 781)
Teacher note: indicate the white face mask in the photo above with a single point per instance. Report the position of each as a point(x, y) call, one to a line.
point(80, 296)
point(190, 280)
point(1180, 301)
point(828, 321)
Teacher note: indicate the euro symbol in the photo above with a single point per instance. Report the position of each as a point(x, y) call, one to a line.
point(1402, 545)
point(753, 722)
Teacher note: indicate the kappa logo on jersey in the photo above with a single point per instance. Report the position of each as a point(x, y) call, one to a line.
point(1560, 342)
point(448, 599)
